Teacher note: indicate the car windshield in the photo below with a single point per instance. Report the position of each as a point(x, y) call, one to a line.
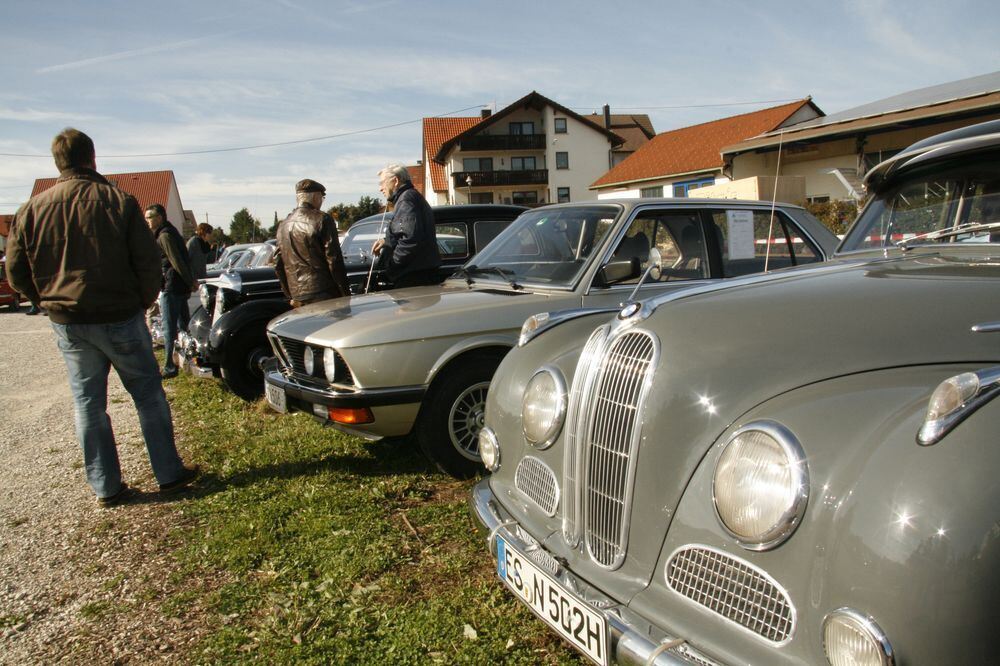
point(957, 205)
point(264, 257)
point(360, 238)
point(547, 246)
point(248, 258)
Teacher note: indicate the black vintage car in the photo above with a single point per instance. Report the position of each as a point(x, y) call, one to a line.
point(226, 338)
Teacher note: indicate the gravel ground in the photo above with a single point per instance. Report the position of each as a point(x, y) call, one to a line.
point(78, 584)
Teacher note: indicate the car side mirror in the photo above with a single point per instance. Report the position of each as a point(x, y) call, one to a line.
point(614, 272)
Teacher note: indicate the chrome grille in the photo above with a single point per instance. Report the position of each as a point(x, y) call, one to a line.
point(734, 589)
point(538, 482)
point(610, 445)
point(296, 349)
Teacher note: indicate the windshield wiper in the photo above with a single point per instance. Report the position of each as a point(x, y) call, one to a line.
point(468, 271)
point(966, 228)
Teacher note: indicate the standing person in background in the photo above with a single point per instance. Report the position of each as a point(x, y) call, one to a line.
point(410, 240)
point(309, 264)
point(178, 283)
point(81, 250)
point(200, 251)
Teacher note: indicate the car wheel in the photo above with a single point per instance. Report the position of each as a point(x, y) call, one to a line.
point(448, 430)
point(241, 371)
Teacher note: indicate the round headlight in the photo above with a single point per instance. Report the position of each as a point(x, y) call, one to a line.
point(761, 485)
point(851, 638)
point(543, 407)
point(204, 296)
point(308, 361)
point(330, 364)
point(489, 449)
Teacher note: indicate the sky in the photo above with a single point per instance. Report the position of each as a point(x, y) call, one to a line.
point(149, 80)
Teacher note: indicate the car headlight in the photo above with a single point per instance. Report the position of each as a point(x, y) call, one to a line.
point(308, 360)
point(955, 399)
point(761, 485)
point(204, 296)
point(489, 449)
point(330, 364)
point(543, 407)
point(851, 638)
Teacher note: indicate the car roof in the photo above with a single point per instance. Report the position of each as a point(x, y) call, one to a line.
point(672, 201)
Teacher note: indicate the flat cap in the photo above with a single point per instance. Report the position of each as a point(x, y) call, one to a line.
point(307, 185)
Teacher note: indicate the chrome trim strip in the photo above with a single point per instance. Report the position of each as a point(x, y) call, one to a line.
point(987, 327)
point(728, 586)
point(932, 432)
point(790, 520)
point(401, 395)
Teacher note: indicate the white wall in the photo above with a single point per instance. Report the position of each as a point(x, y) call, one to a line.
point(175, 211)
point(635, 191)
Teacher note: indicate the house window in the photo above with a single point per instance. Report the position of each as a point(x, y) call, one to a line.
point(559, 125)
point(523, 198)
point(477, 164)
point(481, 198)
point(818, 199)
point(522, 164)
point(522, 128)
point(651, 191)
point(562, 194)
point(562, 160)
point(682, 189)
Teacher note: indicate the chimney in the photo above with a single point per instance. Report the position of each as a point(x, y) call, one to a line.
point(485, 113)
point(607, 117)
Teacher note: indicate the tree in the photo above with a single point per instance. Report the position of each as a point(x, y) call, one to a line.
point(368, 206)
point(273, 231)
point(348, 214)
point(245, 228)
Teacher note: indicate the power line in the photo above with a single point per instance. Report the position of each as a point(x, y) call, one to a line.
point(266, 145)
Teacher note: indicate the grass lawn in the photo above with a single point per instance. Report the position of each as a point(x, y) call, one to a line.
point(310, 546)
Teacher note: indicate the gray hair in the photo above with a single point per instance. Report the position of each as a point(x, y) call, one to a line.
point(397, 170)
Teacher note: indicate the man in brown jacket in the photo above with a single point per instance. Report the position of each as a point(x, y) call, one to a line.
point(310, 265)
point(83, 251)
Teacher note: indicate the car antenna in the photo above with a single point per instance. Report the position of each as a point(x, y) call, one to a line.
point(381, 232)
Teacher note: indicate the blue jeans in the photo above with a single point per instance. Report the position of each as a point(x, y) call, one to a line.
point(174, 317)
point(89, 351)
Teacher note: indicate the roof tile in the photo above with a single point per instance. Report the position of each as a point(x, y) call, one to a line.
point(436, 132)
point(148, 187)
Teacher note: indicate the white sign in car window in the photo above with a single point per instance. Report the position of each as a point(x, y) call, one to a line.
point(739, 225)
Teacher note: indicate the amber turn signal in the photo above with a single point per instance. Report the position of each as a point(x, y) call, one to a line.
point(351, 416)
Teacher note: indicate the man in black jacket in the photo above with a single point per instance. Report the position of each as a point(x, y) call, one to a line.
point(309, 264)
point(178, 282)
point(410, 240)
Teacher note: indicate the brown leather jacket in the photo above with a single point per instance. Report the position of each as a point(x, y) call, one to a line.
point(310, 265)
point(83, 251)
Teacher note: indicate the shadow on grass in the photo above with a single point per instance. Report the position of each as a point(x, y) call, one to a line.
point(386, 459)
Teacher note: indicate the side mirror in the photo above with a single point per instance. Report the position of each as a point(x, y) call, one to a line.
point(614, 272)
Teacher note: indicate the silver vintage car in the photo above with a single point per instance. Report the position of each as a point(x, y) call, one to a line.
point(420, 360)
point(796, 468)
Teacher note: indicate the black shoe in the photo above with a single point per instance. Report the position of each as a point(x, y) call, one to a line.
point(113, 500)
point(188, 475)
point(32, 311)
point(169, 374)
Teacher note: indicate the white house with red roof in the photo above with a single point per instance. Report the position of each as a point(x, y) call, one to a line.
point(532, 152)
point(674, 163)
point(148, 187)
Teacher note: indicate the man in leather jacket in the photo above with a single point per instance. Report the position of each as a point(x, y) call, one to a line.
point(410, 240)
point(309, 264)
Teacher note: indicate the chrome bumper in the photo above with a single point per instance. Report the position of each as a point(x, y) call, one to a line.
point(358, 398)
point(187, 355)
point(628, 643)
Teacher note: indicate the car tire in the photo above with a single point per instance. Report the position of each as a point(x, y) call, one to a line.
point(240, 369)
point(449, 424)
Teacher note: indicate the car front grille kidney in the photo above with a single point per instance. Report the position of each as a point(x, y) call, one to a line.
point(538, 483)
point(295, 350)
point(604, 421)
point(734, 589)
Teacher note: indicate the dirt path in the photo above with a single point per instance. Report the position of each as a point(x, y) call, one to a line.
point(78, 584)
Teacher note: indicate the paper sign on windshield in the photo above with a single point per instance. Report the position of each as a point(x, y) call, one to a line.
point(739, 224)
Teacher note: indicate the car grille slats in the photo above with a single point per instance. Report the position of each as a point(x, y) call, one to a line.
point(295, 351)
point(538, 483)
point(734, 589)
point(613, 399)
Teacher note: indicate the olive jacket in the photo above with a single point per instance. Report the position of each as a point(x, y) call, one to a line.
point(82, 250)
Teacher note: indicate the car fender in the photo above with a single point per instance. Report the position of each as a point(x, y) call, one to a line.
point(232, 322)
point(494, 341)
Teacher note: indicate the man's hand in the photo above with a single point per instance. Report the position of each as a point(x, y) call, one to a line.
point(377, 247)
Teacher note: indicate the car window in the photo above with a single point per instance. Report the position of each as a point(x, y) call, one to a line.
point(550, 245)
point(485, 231)
point(677, 235)
point(452, 240)
point(360, 238)
point(753, 241)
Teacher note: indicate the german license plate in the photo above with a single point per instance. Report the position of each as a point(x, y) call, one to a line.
point(572, 618)
point(276, 397)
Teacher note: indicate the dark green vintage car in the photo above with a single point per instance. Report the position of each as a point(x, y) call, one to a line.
point(795, 468)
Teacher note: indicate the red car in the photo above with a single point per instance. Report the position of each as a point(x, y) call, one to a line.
point(8, 296)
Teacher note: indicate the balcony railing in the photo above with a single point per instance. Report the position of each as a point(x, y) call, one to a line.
point(492, 178)
point(504, 142)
